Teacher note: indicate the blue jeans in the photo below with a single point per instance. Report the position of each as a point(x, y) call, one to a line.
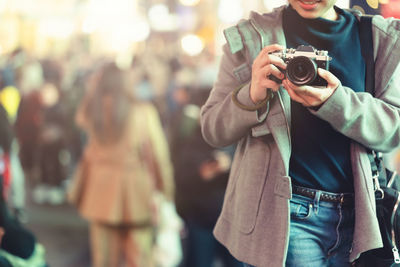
point(321, 233)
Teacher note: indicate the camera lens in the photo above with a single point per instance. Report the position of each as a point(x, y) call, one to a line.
point(301, 70)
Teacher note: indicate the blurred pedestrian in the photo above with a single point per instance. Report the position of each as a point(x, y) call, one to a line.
point(201, 176)
point(6, 137)
point(27, 130)
point(125, 162)
point(15, 182)
point(51, 147)
point(18, 246)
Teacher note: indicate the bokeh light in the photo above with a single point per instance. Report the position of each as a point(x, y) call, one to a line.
point(161, 19)
point(192, 44)
point(189, 2)
point(230, 11)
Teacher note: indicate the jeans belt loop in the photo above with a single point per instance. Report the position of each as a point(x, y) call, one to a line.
point(316, 200)
point(341, 199)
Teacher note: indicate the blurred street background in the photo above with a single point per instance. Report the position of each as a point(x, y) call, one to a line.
point(49, 49)
point(63, 233)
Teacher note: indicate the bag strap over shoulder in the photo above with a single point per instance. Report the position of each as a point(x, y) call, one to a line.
point(365, 28)
point(245, 38)
point(367, 51)
point(234, 39)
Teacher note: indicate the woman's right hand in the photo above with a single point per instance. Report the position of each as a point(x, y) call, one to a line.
point(265, 65)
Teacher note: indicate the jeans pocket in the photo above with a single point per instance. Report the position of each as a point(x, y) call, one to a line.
point(300, 210)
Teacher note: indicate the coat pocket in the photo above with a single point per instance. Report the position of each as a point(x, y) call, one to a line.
point(243, 200)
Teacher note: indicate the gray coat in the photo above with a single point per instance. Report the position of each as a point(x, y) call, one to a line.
point(254, 222)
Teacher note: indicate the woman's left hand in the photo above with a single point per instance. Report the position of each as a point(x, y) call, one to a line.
point(310, 96)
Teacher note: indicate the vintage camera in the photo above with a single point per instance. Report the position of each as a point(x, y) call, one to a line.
point(302, 64)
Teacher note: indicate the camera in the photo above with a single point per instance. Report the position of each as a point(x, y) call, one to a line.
point(302, 64)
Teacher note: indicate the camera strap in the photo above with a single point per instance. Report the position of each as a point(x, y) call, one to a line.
point(367, 51)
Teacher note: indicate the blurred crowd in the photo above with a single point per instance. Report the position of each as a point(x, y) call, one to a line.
point(120, 140)
point(61, 112)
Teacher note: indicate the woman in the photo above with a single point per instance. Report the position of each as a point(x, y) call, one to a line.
point(125, 160)
point(300, 191)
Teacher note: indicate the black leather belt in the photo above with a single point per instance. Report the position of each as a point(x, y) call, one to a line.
point(343, 198)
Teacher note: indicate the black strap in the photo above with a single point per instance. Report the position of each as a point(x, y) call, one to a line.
point(367, 52)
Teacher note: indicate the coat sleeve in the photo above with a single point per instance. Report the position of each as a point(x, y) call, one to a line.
point(223, 122)
point(372, 121)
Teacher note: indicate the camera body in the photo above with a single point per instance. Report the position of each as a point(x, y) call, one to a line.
point(302, 64)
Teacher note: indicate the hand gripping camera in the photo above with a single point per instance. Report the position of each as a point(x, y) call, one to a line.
point(302, 64)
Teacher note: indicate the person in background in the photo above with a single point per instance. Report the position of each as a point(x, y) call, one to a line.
point(125, 162)
point(300, 191)
point(201, 175)
point(27, 131)
point(51, 147)
point(6, 137)
point(18, 245)
point(14, 185)
point(4, 262)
